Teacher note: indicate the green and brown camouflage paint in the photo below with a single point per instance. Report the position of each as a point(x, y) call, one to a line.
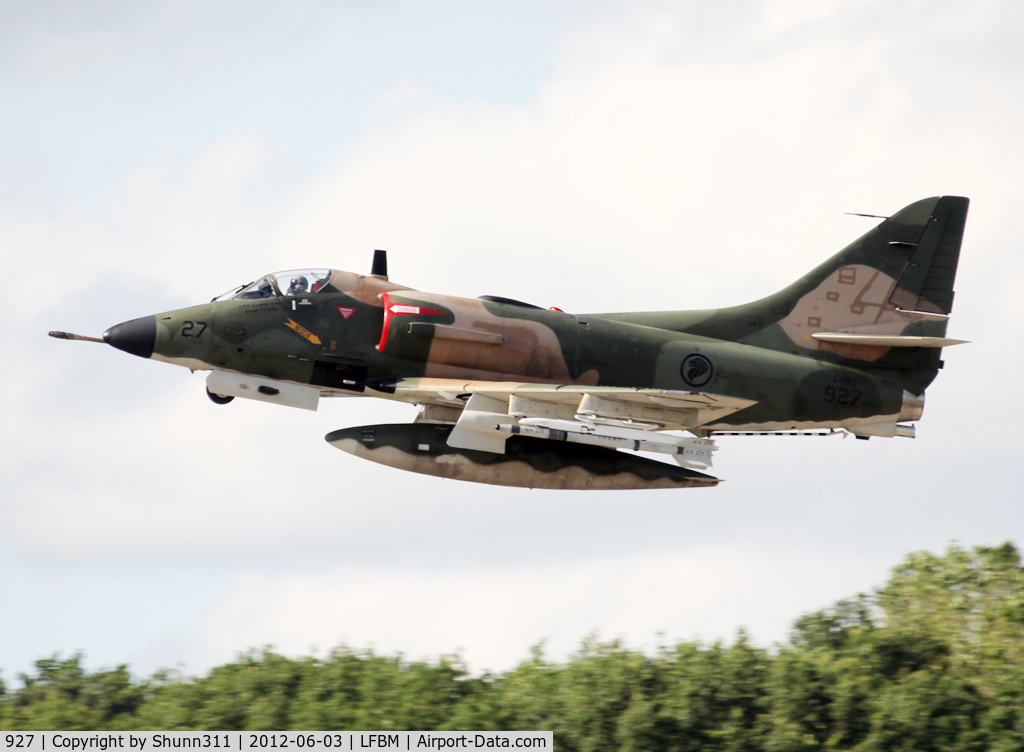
point(369, 335)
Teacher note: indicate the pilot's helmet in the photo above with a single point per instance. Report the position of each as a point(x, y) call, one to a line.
point(298, 285)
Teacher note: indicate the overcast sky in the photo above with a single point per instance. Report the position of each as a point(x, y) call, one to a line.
point(591, 156)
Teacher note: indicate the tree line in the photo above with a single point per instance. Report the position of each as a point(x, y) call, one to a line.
point(933, 660)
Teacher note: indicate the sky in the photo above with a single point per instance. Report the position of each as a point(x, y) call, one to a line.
point(599, 156)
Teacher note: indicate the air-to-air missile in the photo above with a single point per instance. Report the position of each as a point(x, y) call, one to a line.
point(519, 395)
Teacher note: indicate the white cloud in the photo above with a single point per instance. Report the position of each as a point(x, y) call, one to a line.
point(86, 48)
point(726, 180)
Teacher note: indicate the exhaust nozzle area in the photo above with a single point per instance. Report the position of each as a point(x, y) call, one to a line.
point(912, 408)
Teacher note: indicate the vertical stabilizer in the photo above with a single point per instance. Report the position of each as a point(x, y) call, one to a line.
point(926, 283)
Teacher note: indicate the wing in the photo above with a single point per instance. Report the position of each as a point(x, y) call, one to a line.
point(647, 409)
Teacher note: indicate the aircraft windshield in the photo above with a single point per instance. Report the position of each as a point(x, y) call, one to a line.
point(294, 282)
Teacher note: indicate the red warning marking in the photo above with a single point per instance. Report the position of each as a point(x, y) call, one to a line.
point(400, 309)
point(345, 312)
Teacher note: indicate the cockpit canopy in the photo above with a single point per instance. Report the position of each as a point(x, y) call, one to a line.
point(293, 282)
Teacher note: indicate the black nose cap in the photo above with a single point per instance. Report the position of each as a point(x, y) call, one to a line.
point(137, 336)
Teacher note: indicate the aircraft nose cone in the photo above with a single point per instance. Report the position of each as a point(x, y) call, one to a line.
point(137, 336)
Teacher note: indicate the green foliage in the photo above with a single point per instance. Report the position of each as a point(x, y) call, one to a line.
point(934, 660)
point(62, 695)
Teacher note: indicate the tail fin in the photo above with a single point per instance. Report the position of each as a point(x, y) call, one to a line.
point(926, 283)
point(908, 261)
point(896, 279)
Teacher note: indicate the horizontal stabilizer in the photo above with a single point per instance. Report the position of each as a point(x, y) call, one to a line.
point(886, 340)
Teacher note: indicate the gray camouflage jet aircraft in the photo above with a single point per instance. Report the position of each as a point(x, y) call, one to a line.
point(517, 395)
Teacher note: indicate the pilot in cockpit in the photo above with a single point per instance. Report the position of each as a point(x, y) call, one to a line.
point(300, 282)
point(263, 290)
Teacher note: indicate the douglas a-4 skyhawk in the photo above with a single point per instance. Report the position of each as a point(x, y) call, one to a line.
point(517, 395)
